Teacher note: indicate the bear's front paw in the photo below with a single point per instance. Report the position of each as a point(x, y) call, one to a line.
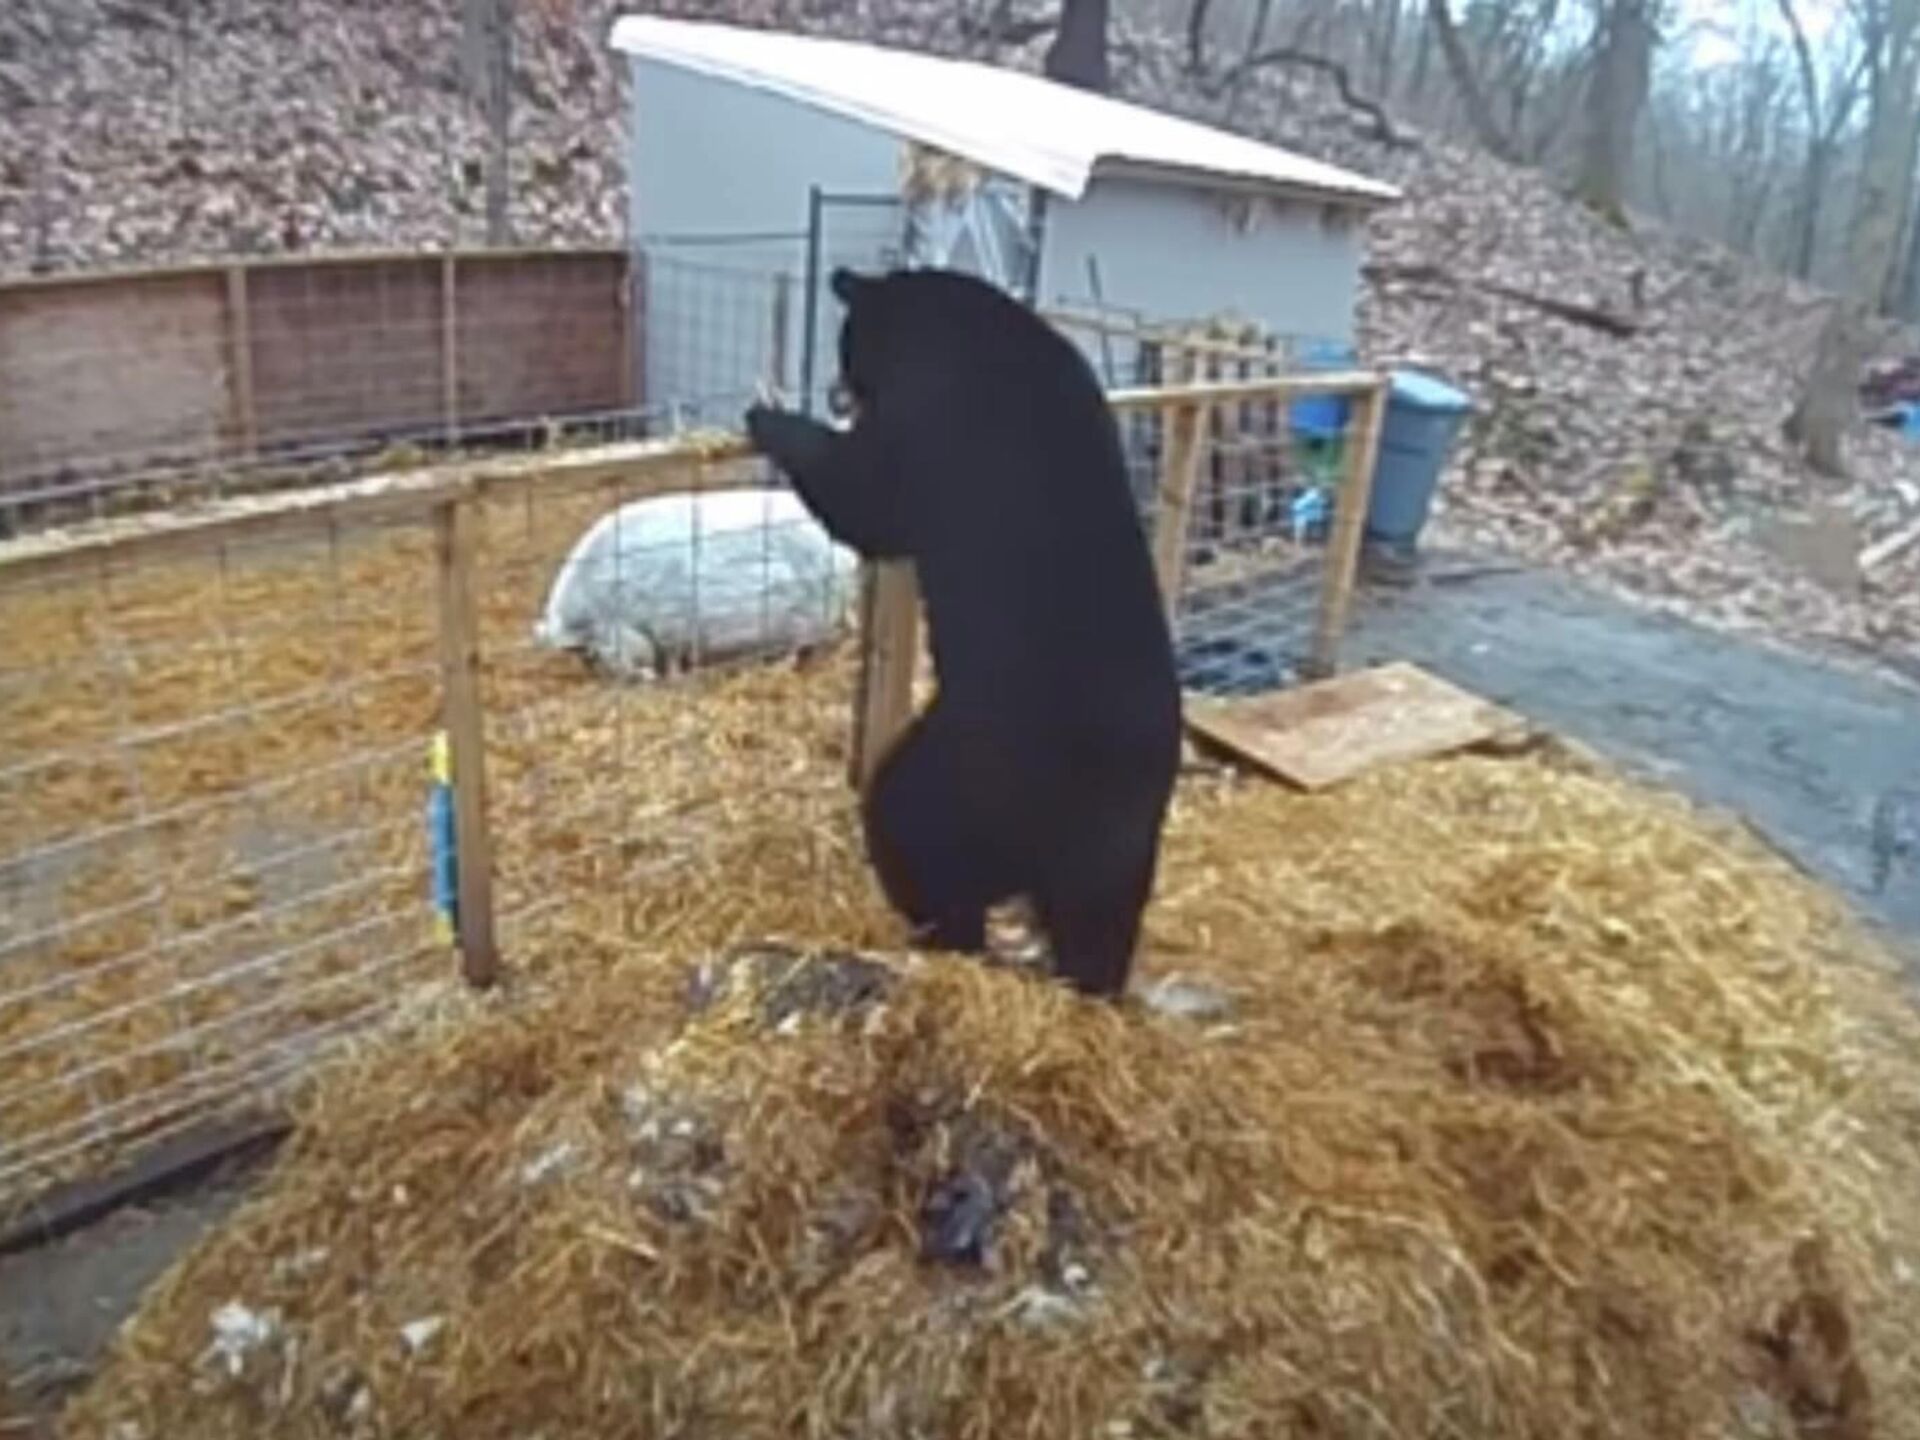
point(762, 422)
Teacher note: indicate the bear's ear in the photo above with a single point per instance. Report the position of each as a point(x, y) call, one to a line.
point(847, 284)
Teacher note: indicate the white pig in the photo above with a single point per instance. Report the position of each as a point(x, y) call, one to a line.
point(674, 580)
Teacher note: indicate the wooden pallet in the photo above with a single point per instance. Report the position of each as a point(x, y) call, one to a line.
point(1326, 733)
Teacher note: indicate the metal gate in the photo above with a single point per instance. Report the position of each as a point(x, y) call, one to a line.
point(982, 224)
point(864, 232)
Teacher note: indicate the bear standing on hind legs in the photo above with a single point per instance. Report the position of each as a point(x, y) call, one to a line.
point(982, 449)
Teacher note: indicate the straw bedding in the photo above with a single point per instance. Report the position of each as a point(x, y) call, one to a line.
point(1541, 1109)
point(213, 776)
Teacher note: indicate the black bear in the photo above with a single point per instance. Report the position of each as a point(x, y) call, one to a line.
point(982, 448)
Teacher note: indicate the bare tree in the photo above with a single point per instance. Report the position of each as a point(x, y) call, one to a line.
point(1236, 86)
point(1422, 62)
point(487, 55)
point(1752, 124)
point(1386, 38)
point(1828, 110)
point(1078, 54)
point(1197, 14)
point(1626, 33)
point(1891, 34)
point(1514, 40)
point(1903, 291)
point(1466, 81)
point(1301, 53)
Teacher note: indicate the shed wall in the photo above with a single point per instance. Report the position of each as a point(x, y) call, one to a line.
point(721, 175)
point(1171, 252)
point(719, 184)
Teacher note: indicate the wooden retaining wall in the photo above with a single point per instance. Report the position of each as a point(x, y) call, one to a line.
point(116, 373)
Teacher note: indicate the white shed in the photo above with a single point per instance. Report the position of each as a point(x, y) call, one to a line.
point(760, 160)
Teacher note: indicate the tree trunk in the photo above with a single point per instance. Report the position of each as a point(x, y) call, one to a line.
point(1813, 190)
point(1197, 12)
point(1826, 406)
point(1899, 267)
point(1422, 63)
point(1623, 69)
point(1819, 148)
point(488, 52)
point(1662, 196)
point(1887, 159)
point(1389, 51)
point(1237, 81)
point(1078, 55)
point(1453, 51)
point(1905, 301)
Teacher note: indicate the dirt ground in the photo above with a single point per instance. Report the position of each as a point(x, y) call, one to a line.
point(61, 1304)
point(1801, 748)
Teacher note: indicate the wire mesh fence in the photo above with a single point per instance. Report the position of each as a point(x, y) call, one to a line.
point(217, 725)
point(215, 760)
point(648, 741)
point(210, 767)
point(1240, 486)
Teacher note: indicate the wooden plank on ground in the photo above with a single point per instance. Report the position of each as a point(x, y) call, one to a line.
point(176, 1161)
point(1319, 735)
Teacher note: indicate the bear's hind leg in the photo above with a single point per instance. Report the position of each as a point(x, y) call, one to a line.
point(935, 865)
point(1091, 913)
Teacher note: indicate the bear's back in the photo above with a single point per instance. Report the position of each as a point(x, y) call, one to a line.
point(1038, 580)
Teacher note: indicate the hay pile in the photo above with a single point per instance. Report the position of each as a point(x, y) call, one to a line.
point(1540, 1110)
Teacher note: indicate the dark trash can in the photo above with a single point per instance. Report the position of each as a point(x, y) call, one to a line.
point(1424, 416)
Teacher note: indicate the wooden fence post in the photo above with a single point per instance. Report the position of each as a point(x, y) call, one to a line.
point(462, 717)
point(889, 650)
point(450, 346)
point(1349, 527)
point(240, 360)
point(1185, 427)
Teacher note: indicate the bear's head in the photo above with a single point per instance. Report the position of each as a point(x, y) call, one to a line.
point(919, 327)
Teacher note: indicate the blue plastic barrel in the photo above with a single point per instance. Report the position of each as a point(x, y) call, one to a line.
point(1424, 416)
point(1324, 417)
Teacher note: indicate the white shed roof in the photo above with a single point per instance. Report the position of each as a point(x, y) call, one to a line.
point(1050, 135)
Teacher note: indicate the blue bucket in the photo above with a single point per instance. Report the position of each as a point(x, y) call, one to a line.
point(1424, 416)
point(1323, 417)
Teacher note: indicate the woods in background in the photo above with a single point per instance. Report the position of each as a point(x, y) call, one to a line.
point(1784, 129)
point(1781, 128)
point(1788, 130)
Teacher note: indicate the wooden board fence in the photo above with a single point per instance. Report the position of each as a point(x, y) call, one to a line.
point(115, 372)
